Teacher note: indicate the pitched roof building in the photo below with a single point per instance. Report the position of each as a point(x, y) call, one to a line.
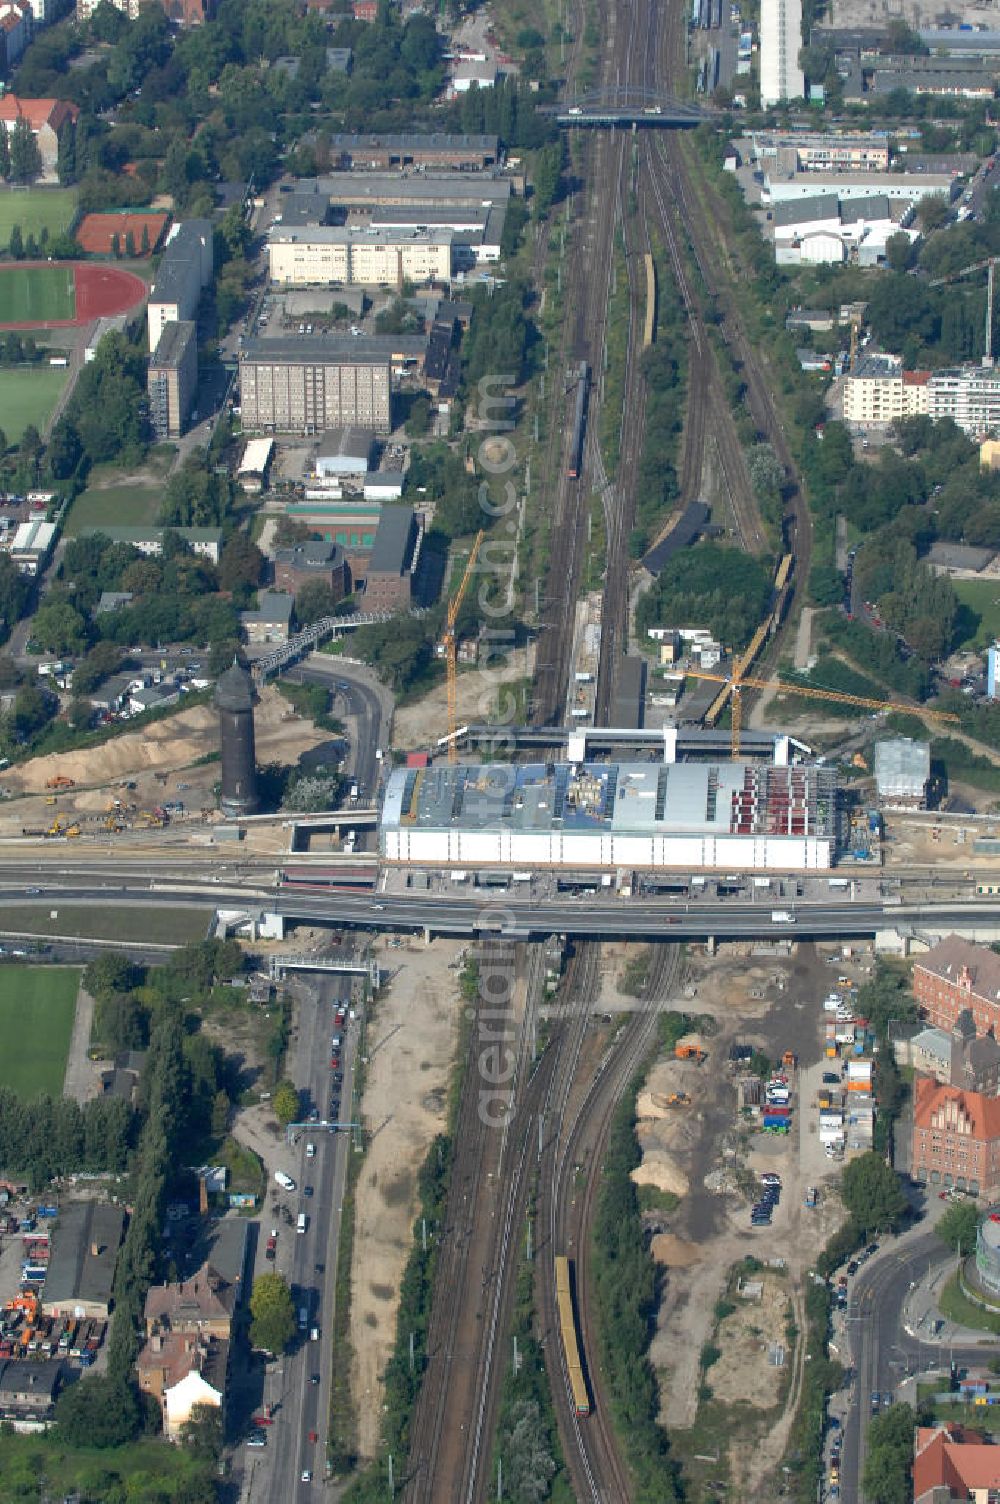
point(81, 1268)
point(956, 975)
point(956, 1137)
point(952, 1463)
point(46, 117)
point(181, 1370)
point(203, 1304)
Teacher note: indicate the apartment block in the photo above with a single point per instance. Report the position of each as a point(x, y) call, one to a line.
point(311, 384)
point(337, 254)
point(878, 391)
point(780, 40)
point(956, 975)
point(172, 378)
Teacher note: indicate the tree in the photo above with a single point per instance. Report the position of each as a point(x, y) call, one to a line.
point(932, 212)
point(314, 601)
point(286, 1103)
point(240, 563)
point(60, 628)
point(110, 972)
point(4, 156)
point(272, 1324)
point(872, 1194)
point(958, 1226)
point(98, 1411)
point(66, 159)
point(15, 244)
point(202, 1432)
point(25, 158)
point(886, 1478)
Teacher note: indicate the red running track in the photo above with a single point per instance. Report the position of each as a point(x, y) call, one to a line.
point(101, 291)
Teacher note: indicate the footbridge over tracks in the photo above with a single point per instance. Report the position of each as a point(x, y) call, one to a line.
point(279, 966)
point(607, 109)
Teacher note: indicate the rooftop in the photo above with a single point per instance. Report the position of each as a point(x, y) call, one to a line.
point(439, 141)
point(975, 967)
point(76, 1271)
point(206, 1296)
point(315, 553)
point(391, 550)
point(234, 689)
point(333, 349)
point(637, 798)
point(349, 443)
point(877, 368)
point(360, 235)
point(953, 1458)
point(969, 1112)
point(173, 343)
point(256, 456)
point(272, 606)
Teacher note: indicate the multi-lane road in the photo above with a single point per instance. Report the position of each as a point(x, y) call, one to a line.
point(488, 911)
point(297, 1385)
point(882, 1352)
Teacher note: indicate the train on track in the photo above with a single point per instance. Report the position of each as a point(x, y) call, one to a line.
point(571, 1347)
point(582, 388)
point(649, 327)
point(706, 14)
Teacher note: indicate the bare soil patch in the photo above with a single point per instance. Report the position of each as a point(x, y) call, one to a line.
point(744, 1374)
point(479, 699)
point(412, 1044)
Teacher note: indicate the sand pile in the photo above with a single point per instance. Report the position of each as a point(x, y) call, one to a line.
point(673, 1252)
point(659, 1169)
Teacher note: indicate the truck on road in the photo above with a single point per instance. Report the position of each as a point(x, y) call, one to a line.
point(782, 916)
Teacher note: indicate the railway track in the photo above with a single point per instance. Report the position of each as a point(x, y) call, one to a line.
point(437, 1442)
point(575, 1149)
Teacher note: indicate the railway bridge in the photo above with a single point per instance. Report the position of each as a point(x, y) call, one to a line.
point(607, 109)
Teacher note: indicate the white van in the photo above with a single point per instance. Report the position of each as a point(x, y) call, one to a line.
point(285, 1181)
point(310, 1151)
point(300, 1222)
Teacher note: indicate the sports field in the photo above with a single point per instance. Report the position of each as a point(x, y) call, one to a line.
point(37, 1006)
point(982, 597)
point(34, 209)
point(27, 395)
point(37, 295)
point(113, 506)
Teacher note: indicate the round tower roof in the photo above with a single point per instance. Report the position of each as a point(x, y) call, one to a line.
point(234, 689)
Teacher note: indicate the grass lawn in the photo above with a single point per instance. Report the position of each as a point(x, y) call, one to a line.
point(36, 294)
point(113, 506)
point(34, 209)
point(79, 921)
point(956, 1306)
point(143, 1470)
point(27, 395)
point(37, 1004)
point(982, 597)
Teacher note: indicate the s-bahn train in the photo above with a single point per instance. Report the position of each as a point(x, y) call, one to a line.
point(567, 1328)
point(575, 464)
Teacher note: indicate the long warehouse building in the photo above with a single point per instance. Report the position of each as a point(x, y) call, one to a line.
point(729, 815)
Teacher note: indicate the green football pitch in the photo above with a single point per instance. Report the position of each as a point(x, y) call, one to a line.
point(37, 1007)
point(35, 210)
point(36, 294)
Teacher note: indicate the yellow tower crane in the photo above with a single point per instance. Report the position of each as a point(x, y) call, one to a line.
point(451, 646)
point(738, 680)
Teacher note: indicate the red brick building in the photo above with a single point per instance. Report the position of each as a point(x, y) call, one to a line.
point(957, 975)
point(952, 1465)
point(956, 1137)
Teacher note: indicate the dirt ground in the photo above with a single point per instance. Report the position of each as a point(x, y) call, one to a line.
point(421, 724)
point(701, 1153)
point(167, 747)
point(743, 1374)
point(412, 1042)
point(912, 840)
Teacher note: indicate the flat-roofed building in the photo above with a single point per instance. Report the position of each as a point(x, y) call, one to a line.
point(969, 396)
point(206, 541)
point(312, 384)
point(878, 391)
point(172, 378)
point(690, 816)
point(430, 149)
point(32, 545)
point(902, 772)
point(186, 268)
point(368, 256)
point(255, 466)
point(345, 451)
point(780, 42)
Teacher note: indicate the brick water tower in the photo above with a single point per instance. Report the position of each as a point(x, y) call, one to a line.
point(234, 697)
